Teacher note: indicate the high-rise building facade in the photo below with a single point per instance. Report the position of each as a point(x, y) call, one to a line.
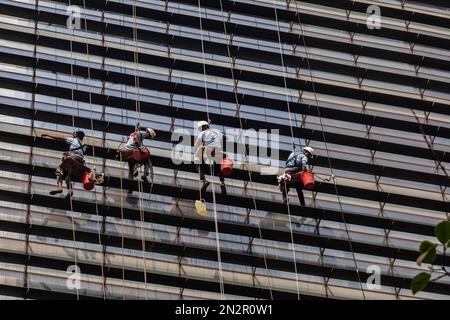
point(365, 83)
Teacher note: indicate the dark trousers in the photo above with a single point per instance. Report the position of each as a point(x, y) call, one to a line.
point(298, 187)
point(215, 167)
point(201, 169)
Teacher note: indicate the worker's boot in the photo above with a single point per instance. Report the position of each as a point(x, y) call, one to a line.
point(59, 189)
point(145, 178)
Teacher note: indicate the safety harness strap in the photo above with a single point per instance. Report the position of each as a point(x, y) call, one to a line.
point(81, 147)
point(133, 136)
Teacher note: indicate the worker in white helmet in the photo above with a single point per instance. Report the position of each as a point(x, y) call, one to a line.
point(297, 162)
point(208, 152)
point(136, 142)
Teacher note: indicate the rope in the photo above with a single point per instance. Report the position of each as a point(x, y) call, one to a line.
point(93, 151)
point(219, 260)
point(73, 126)
point(327, 152)
point(138, 120)
point(293, 146)
point(122, 224)
point(438, 162)
point(245, 160)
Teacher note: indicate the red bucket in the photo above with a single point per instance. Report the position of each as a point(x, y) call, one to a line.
point(308, 180)
point(87, 183)
point(226, 167)
point(138, 155)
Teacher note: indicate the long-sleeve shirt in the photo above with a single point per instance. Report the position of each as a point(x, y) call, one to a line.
point(296, 162)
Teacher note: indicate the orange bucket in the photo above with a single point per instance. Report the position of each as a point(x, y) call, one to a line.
point(226, 167)
point(308, 180)
point(87, 183)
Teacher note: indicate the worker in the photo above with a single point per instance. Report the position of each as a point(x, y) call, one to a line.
point(208, 152)
point(296, 163)
point(75, 153)
point(136, 143)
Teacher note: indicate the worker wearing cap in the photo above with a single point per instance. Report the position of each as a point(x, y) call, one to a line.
point(297, 162)
point(208, 151)
point(136, 142)
point(76, 152)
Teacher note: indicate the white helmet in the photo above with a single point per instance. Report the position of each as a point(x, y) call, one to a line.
point(200, 124)
point(309, 149)
point(151, 132)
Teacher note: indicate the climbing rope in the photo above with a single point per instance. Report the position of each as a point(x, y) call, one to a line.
point(216, 224)
point(73, 126)
point(138, 120)
point(93, 151)
point(327, 151)
point(249, 171)
point(293, 144)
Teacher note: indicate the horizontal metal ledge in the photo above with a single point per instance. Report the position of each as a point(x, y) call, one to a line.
point(166, 62)
point(184, 65)
point(190, 194)
point(439, 3)
point(252, 10)
point(212, 47)
point(227, 256)
point(104, 126)
point(346, 165)
point(352, 218)
point(308, 134)
point(39, 294)
point(291, 16)
point(204, 224)
point(325, 187)
point(258, 55)
point(130, 275)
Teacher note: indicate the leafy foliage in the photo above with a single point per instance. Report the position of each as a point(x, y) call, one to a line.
point(427, 251)
point(420, 282)
point(442, 232)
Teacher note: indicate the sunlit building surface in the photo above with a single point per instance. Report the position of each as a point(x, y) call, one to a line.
point(373, 100)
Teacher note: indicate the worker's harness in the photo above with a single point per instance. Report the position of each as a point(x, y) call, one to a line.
point(71, 154)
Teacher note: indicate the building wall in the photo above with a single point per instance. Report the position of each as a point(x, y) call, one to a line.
point(374, 104)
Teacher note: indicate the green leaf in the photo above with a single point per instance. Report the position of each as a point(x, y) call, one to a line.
point(427, 251)
point(442, 231)
point(419, 282)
